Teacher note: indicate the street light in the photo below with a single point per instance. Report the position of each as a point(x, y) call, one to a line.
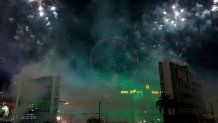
point(212, 112)
point(58, 118)
point(62, 104)
point(66, 103)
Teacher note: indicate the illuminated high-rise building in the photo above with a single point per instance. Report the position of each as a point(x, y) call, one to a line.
point(46, 107)
point(185, 89)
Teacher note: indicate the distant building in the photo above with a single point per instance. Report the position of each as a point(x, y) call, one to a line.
point(185, 88)
point(46, 108)
point(94, 120)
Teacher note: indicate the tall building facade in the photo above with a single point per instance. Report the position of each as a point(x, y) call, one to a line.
point(46, 107)
point(184, 88)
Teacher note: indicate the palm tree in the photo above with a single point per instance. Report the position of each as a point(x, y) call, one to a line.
point(2, 112)
point(163, 104)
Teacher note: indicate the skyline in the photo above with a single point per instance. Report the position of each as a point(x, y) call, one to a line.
point(59, 37)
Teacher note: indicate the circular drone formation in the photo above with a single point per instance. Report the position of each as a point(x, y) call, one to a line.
point(114, 61)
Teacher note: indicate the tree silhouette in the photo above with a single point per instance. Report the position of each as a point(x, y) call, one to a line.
point(165, 103)
point(2, 112)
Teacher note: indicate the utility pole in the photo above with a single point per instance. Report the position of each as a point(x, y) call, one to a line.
point(132, 117)
point(99, 110)
point(212, 112)
point(15, 114)
point(106, 117)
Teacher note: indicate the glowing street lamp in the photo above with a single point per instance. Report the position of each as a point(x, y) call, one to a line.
point(6, 109)
point(147, 86)
point(58, 118)
point(66, 103)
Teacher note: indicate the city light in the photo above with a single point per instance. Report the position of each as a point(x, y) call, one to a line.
point(147, 86)
point(133, 91)
point(6, 109)
point(155, 92)
point(124, 92)
point(58, 118)
point(66, 103)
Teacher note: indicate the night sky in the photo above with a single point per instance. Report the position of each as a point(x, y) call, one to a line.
point(61, 40)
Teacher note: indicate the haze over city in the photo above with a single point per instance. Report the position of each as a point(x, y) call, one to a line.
point(100, 50)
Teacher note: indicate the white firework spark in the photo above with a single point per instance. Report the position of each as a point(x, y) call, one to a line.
point(215, 6)
point(177, 17)
point(44, 8)
point(164, 12)
point(40, 8)
point(43, 12)
point(174, 7)
point(183, 19)
point(173, 17)
point(53, 8)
